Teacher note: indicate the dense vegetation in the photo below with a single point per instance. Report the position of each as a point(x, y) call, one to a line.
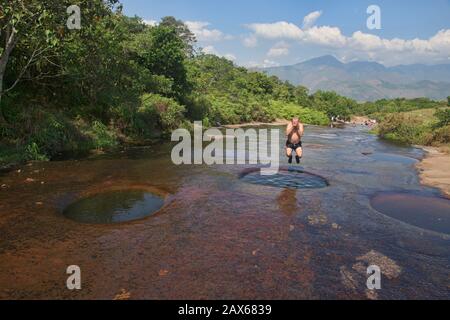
point(417, 121)
point(420, 127)
point(381, 107)
point(117, 80)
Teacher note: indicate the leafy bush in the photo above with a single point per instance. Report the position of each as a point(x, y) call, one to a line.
point(101, 136)
point(224, 111)
point(32, 152)
point(166, 112)
point(441, 135)
point(386, 106)
point(48, 133)
point(443, 116)
point(198, 108)
point(400, 127)
point(289, 110)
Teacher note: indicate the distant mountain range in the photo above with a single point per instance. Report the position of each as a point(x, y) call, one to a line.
point(368, 81)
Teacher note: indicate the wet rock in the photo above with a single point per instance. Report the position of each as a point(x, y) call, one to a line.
point(163, 273)
point(123, 295)
point(389, 267)
point(317, 220)
point(347, 278)
point(336, 226)
point(30, 180)
point(371, 294)
point(360, 268)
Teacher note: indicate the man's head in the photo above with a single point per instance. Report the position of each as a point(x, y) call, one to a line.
point(295, 122)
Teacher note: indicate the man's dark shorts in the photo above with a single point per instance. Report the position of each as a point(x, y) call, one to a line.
point(294, 147)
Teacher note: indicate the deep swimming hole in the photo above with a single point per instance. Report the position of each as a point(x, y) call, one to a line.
point(114, 207)
point(292, 178)
point(422, 211)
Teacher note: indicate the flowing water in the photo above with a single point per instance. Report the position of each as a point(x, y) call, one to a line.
point(223, 231)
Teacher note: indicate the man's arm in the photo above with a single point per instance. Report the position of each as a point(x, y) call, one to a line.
point(289, 129)
point(301, 130)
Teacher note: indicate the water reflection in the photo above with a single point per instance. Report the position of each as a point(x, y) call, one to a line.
point(426, 212)
point(114, 207)
point(287, 202)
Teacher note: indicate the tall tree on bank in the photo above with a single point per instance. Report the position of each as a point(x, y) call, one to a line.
point(162, 52)
point(182, 31)
point(36, 28)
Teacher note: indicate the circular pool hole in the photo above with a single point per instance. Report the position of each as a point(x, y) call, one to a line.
point(286, 179)
point(426, 212)
point(114, 207)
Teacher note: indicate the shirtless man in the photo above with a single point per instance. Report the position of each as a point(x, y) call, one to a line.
point(294, 132)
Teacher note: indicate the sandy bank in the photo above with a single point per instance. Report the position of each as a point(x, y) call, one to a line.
point(434, 170)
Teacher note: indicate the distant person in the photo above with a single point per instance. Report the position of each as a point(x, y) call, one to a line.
point(294, 132)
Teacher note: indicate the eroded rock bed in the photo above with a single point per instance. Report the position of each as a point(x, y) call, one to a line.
point(219, 237)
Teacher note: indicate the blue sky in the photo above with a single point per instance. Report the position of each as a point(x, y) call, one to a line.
point(265, 33)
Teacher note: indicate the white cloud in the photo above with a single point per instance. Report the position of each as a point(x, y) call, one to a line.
point(278, 52)
point(279, 49)
point(230, 57)
point(265, 64)
point(209, 50)
point(310, 19)
point(326, 36)
point(359, 45)
point(399, 51)
point(277, 30)
point(212, 50)
point(150, 22)
point(269, 63)
point(250, 41)
point(204, 34)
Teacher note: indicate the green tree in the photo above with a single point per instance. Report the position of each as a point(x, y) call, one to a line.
point(162, 52)
point(26, 23)
point(333, 104)
point(36, 29)
point(182, 31)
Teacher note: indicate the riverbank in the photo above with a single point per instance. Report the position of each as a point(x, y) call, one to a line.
point(277, 122)
point(12, 157)
point(434, 169)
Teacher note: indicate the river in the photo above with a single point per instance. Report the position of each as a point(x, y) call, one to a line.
point(219, 236)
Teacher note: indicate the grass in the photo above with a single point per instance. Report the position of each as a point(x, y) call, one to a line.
point(419, 127)
point(425, 116)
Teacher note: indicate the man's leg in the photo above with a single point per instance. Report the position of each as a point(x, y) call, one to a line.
point(289, 154)
point(299, 154)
